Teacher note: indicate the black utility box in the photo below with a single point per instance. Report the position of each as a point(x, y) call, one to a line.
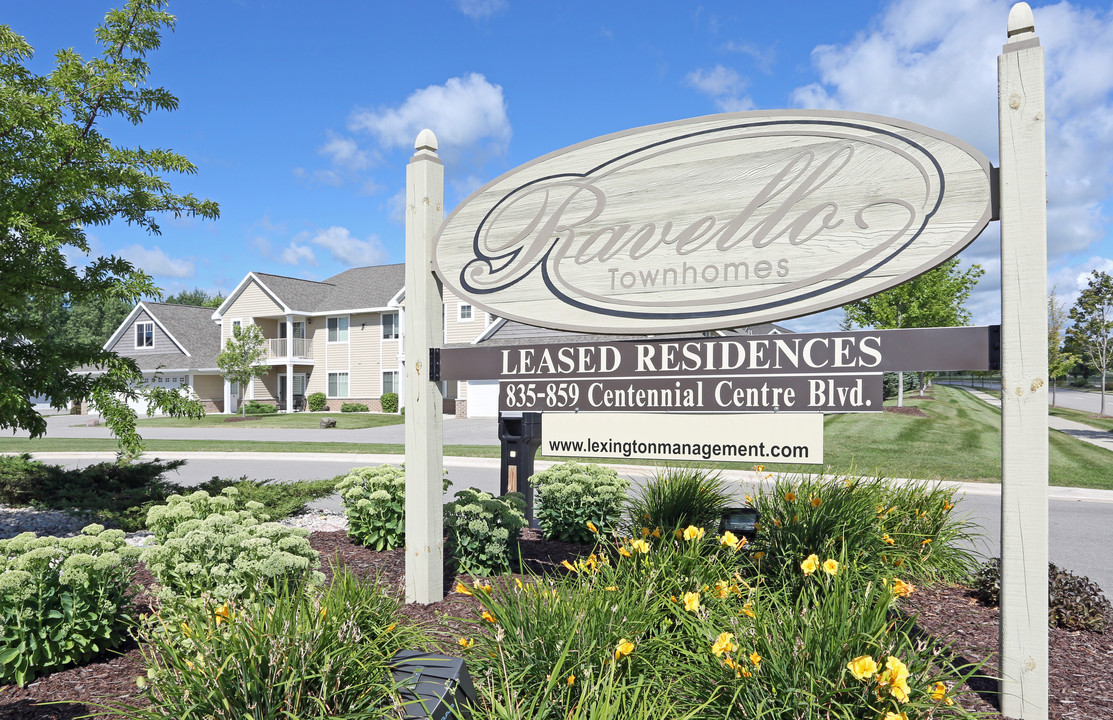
point(434, 687)
point(520, 436)
point(740, 520)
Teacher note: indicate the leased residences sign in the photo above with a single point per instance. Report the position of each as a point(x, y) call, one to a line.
point(715, 222)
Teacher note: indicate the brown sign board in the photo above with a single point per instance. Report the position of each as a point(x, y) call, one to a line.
point(746, 393)
point(861, 352)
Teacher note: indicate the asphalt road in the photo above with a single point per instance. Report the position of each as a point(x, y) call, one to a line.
point(1080, 521)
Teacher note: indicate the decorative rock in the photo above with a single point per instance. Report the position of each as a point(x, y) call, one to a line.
point(328, 422)
point(95, 422)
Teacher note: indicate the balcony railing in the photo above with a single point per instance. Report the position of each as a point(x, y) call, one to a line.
point(276, 348)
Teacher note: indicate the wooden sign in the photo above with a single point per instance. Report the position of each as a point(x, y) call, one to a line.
point(715, 222)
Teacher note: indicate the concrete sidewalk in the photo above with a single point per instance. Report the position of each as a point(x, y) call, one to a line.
point(1085, 433)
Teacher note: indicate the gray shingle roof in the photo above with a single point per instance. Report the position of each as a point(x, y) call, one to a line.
point(191, 326)
point(362, 287)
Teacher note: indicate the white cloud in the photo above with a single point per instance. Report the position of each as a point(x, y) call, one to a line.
point(935, 62)
point(345, 248)
point(479, 9)
point(156, 262)
point(344, 152)
point(724, 85)
point(299, 255)
point(463, 113)
point(763, 59)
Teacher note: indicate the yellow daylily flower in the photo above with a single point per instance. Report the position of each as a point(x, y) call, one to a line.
point(693, 533)
point(518, 582)
point(722, 589)
point(759, 555)
point(748, 609)
point(810, 564)
point(895, 679)
point(463, 589)
point(831, 567)
point(592, 528)
point(723, 644)
point(901, 588)
point(480, 586)
point(623, 648)
point(656, 532)
point(790, 496)
point(488, 616)
point(887, 540)
point(465, 643)
point(571, 680)
point(640, 545)
point(611, 588)
point(568, 565)
point(939, 694)
point(221, 614)
point(890, 715)
point(729, 539)
point(691, 601)
point(624, 552)
point(862, 667)
point(816, 502)
point(755, 658)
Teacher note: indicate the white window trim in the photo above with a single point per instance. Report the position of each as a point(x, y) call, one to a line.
point(135, 336)
point(397, 327)
point(337, 318)
point(382, 381)
point(327, 384)
point(460, 313)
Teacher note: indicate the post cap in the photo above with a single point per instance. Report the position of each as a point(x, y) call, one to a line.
point(426, 140)
point(1021, 20)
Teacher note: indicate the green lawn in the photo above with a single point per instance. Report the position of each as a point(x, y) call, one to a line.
point(1101, 422)
point(959, 440)
point(345, 421)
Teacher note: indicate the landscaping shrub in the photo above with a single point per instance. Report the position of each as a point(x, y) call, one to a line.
point(375, 503)
point(224, 548)
point(62, 600)
point(887, 527)
point(279, 499)
point(353, 407)
point(1073, 602)
point(318, 655)
point(254, 407)
point(316, 402)
point(674, 616)
point(115, 494)
point(483, 530)
point(572, 494)
point(890, 383)
point(676, 497)
point(389, 402)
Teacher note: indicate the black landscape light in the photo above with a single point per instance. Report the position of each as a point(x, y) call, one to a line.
point(741, 521)
point(433, 687)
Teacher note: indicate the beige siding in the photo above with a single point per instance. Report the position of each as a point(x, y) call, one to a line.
point(252, 303)
point(317, 334)
point(457, 331)
point(209, 387)
point(365, 335)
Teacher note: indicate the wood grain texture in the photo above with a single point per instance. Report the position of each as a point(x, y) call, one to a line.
point(424, 413)
point(1024, 453)
point(715, 222)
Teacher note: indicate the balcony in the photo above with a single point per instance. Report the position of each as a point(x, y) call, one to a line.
point(277, 349)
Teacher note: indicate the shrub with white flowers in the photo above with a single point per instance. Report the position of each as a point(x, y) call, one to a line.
point(62, 600)
point(483, 530)
point(572, 494)
point(223, 548)
point(375, 503)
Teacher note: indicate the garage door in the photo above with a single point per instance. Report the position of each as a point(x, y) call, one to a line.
point(483, 398)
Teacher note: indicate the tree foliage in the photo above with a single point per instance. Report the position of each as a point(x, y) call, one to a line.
point(242, 354)
point(196, 297)
point(1092, 331)
point(58, 176)
point(1059, 359)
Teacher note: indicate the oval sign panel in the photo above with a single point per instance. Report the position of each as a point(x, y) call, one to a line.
point(715, 222)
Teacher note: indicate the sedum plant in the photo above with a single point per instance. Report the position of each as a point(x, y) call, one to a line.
point(62, 600)
point(572, 494)
point(222, 547)
point(483, 530)
point(375, 503)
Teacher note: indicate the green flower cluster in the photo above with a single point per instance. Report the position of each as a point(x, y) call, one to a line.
point(483, 530)
point(375, 503)
point(62, 600)
point(571, 494)
point(225, 548)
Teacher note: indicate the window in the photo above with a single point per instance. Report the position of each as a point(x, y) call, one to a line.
point(144, 334)
point(390, 326)
point(338, 384)
point(338, 329)
point(390, 381)
point(465, 312)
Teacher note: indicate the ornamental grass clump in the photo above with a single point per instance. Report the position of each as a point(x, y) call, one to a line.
point(322, 654)
point(675, 497)
point(222, 548)
point(62, 600)
point(483, 530)
point(571, 494)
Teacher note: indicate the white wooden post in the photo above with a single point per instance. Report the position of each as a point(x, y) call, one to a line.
point(424, 406)
point(1023, 189)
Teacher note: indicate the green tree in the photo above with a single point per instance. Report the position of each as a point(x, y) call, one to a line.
point(58, 176)
point(1059, 359)
point(1092, 331)
point(196, 297)
point(935, 299)
point(241, 358)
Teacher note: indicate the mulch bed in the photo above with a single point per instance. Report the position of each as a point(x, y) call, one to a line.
point(1080, 681)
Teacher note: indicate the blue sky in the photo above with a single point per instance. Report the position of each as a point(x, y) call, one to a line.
point(300, 116)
